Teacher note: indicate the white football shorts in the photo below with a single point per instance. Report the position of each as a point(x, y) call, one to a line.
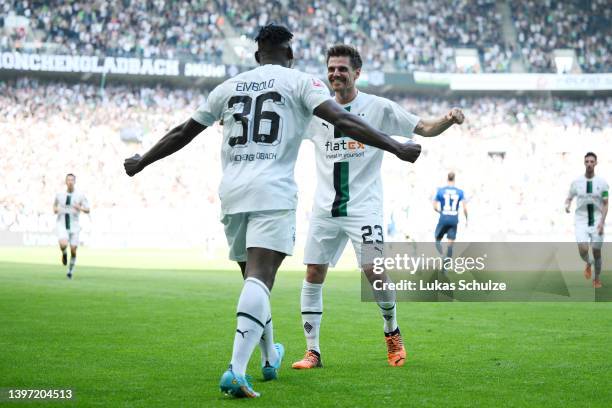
point(273, 229)
point(327, 237)
point(71, 236)
point(589, 235)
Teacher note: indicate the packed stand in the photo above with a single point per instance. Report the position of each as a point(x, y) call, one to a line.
point(49, 130)
point(396, 34)
point(142, 28)
point(316, 25)
point(527, 150)
point(582, 25)
point(390, 34)
point(421, 34)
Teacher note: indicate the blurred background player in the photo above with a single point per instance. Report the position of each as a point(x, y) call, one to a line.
point(264, 112)
point(348, 202)
point(591, 194)
point(446, 202)
point(68, 205)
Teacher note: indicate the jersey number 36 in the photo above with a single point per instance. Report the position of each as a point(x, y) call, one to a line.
point(266, 134)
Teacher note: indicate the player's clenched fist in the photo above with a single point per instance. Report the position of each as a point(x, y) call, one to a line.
point(132, 165)
point(455, 115)
point(409, 152)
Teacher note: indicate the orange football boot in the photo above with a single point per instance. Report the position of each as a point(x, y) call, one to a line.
point(311, 359)
point(597, 284)
point(396, 353)
point(587, 272)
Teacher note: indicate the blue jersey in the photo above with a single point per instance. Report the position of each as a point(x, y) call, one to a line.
point(449, 198)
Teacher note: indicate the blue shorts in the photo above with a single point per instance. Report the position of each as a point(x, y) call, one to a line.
point(450, 230)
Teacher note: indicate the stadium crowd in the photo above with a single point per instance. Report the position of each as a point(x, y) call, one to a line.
point(545, 25)
point(414, 35)
point(526, 150)
point(149, 29)
point(315, 25)
point(423, 36)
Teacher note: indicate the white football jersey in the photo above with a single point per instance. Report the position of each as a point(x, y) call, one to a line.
point(68, 216)
point(265, 112)
point(348, 172)
point(590, 194)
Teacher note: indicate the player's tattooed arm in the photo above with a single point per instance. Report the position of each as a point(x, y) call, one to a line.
point(352, 126)
point(434, 127)
point(172, 142)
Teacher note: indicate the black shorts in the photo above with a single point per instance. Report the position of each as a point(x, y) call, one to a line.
point(450, 230)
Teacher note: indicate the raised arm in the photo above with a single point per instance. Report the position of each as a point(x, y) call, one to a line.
point(353, 126)
point(172, 142)
point(434, 127)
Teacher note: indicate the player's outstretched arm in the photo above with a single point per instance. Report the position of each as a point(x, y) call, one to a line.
point(353, 126)
point(172, 142)
point(434, 127)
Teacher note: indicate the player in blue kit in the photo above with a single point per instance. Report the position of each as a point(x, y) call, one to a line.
point(446, 202)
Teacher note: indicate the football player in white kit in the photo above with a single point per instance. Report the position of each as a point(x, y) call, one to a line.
point(348, 199)
point(68, 205)
point(265, 112)
point(591, 194)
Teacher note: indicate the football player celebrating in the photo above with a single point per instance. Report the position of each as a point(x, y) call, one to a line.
point(348, 198)
point(264, 113)
point(591, 194)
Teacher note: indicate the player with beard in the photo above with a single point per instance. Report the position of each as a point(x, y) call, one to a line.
point(348, 199)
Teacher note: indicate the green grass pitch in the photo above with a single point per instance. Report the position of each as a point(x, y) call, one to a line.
point(144, 337)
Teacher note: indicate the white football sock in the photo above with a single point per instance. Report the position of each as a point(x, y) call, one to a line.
point(253, 308)
point(266, 344)
point(388, 308)
point(388, 312)
point(312, 313)
point(72, 262)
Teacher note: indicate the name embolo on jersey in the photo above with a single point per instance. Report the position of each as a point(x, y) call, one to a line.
point(590, 194)
point(67, 215)
point(264, 112)
point(348, 172)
